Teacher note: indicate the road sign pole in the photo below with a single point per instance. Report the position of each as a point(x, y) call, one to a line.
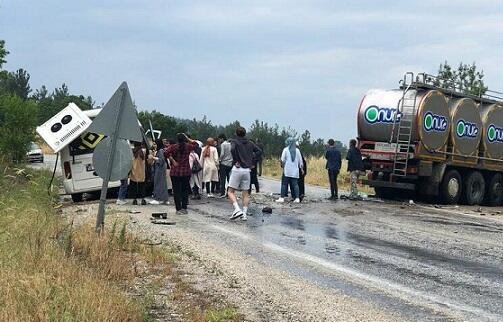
point(100, 218)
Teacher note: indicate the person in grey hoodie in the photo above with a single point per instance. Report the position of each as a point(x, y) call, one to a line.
point(242, 151)
point(225, 163)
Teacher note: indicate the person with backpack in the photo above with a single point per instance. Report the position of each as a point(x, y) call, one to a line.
point(355, 167)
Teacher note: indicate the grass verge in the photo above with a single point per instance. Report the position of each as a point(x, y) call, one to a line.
point(53, 270)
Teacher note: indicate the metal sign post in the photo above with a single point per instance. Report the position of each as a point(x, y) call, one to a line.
point(117, 120)
point(100, 219)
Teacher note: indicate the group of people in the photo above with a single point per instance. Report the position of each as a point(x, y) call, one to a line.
point(333, 166)
point(221, 167)
point(294, 168)
point(185, 167)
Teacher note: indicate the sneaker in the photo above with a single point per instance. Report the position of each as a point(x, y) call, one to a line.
point(184, 211)
point(244, 218)
point(135, 202)
point(154, 202)
point(179, 212)
point(210, 195)
point(280, 200)
point(120, 202)
point(165, 203)
point(297, 200)
point(236, 214)
point(143, 202)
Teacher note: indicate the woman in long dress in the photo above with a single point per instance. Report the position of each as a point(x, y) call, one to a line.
point(161, 194)
point(209, 162)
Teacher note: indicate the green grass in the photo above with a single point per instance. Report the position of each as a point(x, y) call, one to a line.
point(42, 279)
point(52, 270)
point(221, 315)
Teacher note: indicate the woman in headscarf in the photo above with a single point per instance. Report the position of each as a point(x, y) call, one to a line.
point(291, 162)
point(209, 162)
point(160, 184)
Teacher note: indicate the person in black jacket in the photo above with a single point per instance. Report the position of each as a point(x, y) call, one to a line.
point(355, 167)
point(302, 176)
point(333, 167)
point(242, 151)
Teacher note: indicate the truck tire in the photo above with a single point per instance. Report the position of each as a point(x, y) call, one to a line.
point(451, 187)
point(494, 190)
point(474, 188)
point(77, 197)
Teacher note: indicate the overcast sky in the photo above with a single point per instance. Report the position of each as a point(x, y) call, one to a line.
point(304, 64)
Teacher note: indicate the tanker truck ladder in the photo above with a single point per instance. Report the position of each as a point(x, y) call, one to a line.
point(405, 119)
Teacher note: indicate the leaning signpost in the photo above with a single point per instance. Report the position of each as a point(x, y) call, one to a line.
point(112, 158)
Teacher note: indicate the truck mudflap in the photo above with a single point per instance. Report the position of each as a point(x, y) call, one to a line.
point(389, 184)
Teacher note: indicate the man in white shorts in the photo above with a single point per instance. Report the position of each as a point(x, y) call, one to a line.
point(242, 154)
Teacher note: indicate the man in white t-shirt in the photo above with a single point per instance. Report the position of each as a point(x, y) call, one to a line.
point(291, 162)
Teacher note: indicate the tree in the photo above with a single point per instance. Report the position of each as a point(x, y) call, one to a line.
point(18, 119)
point(3, 53)
point(41, 93)
point(17, 83)
point(49, 105)
point(466, 78)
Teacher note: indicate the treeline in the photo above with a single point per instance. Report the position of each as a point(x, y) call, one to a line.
point(22, 109)
point(272, 137)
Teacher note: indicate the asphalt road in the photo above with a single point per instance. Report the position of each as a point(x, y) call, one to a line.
point(426, 263)
point(49, 160)
point(418, 261)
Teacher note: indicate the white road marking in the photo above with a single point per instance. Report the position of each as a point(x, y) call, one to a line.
point(400, 291)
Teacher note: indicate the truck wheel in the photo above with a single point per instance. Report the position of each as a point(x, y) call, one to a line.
point(451, 187)
point(77, 197)
point(494, 191)
point(475, 187)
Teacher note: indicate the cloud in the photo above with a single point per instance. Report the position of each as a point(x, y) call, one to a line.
point(304, 64)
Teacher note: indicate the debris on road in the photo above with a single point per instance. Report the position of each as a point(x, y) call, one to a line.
point(162, 215)
point(267, 210)
point(162, 222)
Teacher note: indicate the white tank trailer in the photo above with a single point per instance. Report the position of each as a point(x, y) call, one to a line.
point(433, 141)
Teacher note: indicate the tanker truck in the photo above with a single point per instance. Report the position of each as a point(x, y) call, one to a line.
point(434, 140)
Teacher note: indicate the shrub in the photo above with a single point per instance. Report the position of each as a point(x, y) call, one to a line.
point(18, 120)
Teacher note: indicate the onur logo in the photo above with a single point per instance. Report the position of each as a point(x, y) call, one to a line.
point(434, 122)
point(465, 129)
point(375, 114)
point(495, 134)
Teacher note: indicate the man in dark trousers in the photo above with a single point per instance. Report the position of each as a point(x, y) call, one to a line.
point(260, 145)
point(333, 167)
